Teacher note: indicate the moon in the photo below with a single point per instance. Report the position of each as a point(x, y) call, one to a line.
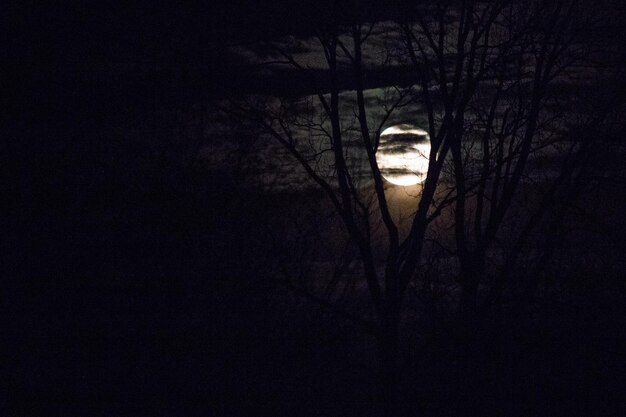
point(403, 154)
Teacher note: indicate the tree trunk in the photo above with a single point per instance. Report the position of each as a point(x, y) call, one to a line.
point(471, 270)
point(387, 389)
point(469, 292)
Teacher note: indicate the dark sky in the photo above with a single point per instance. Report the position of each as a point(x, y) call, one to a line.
point(142, 30)
point(122, 31)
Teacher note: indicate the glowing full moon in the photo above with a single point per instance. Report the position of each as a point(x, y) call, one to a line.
point(402, 154)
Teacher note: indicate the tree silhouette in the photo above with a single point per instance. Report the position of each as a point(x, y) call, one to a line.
point(499, 128)
point(481, 73)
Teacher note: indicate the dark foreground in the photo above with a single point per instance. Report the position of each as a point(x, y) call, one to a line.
point(157, 351)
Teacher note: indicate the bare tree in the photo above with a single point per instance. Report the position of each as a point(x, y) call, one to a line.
point(506, 126)
point(359, 207)
point(481, 71)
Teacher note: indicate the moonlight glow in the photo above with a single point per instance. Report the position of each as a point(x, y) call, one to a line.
point(402, 154)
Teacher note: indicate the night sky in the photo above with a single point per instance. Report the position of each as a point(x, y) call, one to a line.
point(146, 233)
